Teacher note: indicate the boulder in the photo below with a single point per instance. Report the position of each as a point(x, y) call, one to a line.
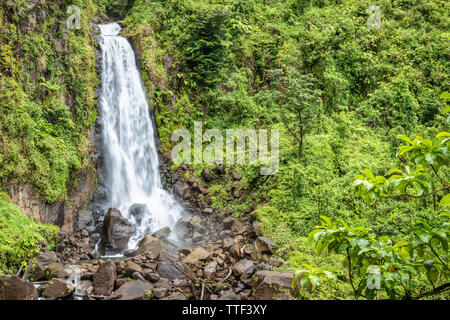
point(115, 233)
point(209, 272)
point(196, 223)
point(243, 267)
point(228, 222)
point(164, 283)
point(175, 296)
point(129, 253)
point(229, 295)
point(160, 293)
point(162, 234)
point(133, 290)
point(268, 284)
point(14, 288)
point(104, 278)
point(151, 245)
point(197, 255)
point(43, 259)
point(58, 288)
point(54, 270)
point(132, 267)
point(265, 244)
point(170, 267)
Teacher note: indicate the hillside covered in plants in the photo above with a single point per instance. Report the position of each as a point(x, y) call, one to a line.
point(359, 204)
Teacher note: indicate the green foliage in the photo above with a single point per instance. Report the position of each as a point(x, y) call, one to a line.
point(47, 84)
point(379, 266)
point(20, 237)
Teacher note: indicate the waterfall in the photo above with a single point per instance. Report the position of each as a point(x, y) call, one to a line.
point(130, 157)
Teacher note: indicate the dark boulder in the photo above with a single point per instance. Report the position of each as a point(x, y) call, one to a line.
point(14, 288)
point(115, 233)
point(105, 278)
point(151, 245)
point(58, 288)
point(267, 285)
point(133, 290)
point(162, 234)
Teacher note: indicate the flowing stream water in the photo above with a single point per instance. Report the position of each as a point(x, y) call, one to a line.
point(130, 156)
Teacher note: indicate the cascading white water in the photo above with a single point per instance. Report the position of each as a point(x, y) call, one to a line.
point(129, 149)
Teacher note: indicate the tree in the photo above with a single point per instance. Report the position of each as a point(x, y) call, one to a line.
point(300, 102)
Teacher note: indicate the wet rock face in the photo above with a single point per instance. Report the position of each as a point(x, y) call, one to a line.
point(116, 232)
point(14, 288)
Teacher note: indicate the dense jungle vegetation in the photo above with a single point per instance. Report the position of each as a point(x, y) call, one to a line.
point(341, 94)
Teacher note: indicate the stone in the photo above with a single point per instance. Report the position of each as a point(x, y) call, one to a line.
point(152, 276)
point(228, 222)
point(116, 232)
point(160, 293)
point(183, 222)
point(137, 276)
point(120, 282)
point(54, 270)
point(164, 283)
point(43, 259)
point(151, 245)
point(196, 255)
point(209, 271)
point(196, 223)
point(227, 243)
point(208, 211)
point(94, 254)
point(131, 267)
point(129, 253)
point(197, 237)
point(229, 295)
point(84, 218)
point(265, 244)
point(175, 296)
point(169, 266)
point(14, 288)
point(239, 227)
point(243, 267)
point(104, 278)
point(162, 234)
point(133, 290)
point(58, 288)
point(207, 175)
point(267, 284)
